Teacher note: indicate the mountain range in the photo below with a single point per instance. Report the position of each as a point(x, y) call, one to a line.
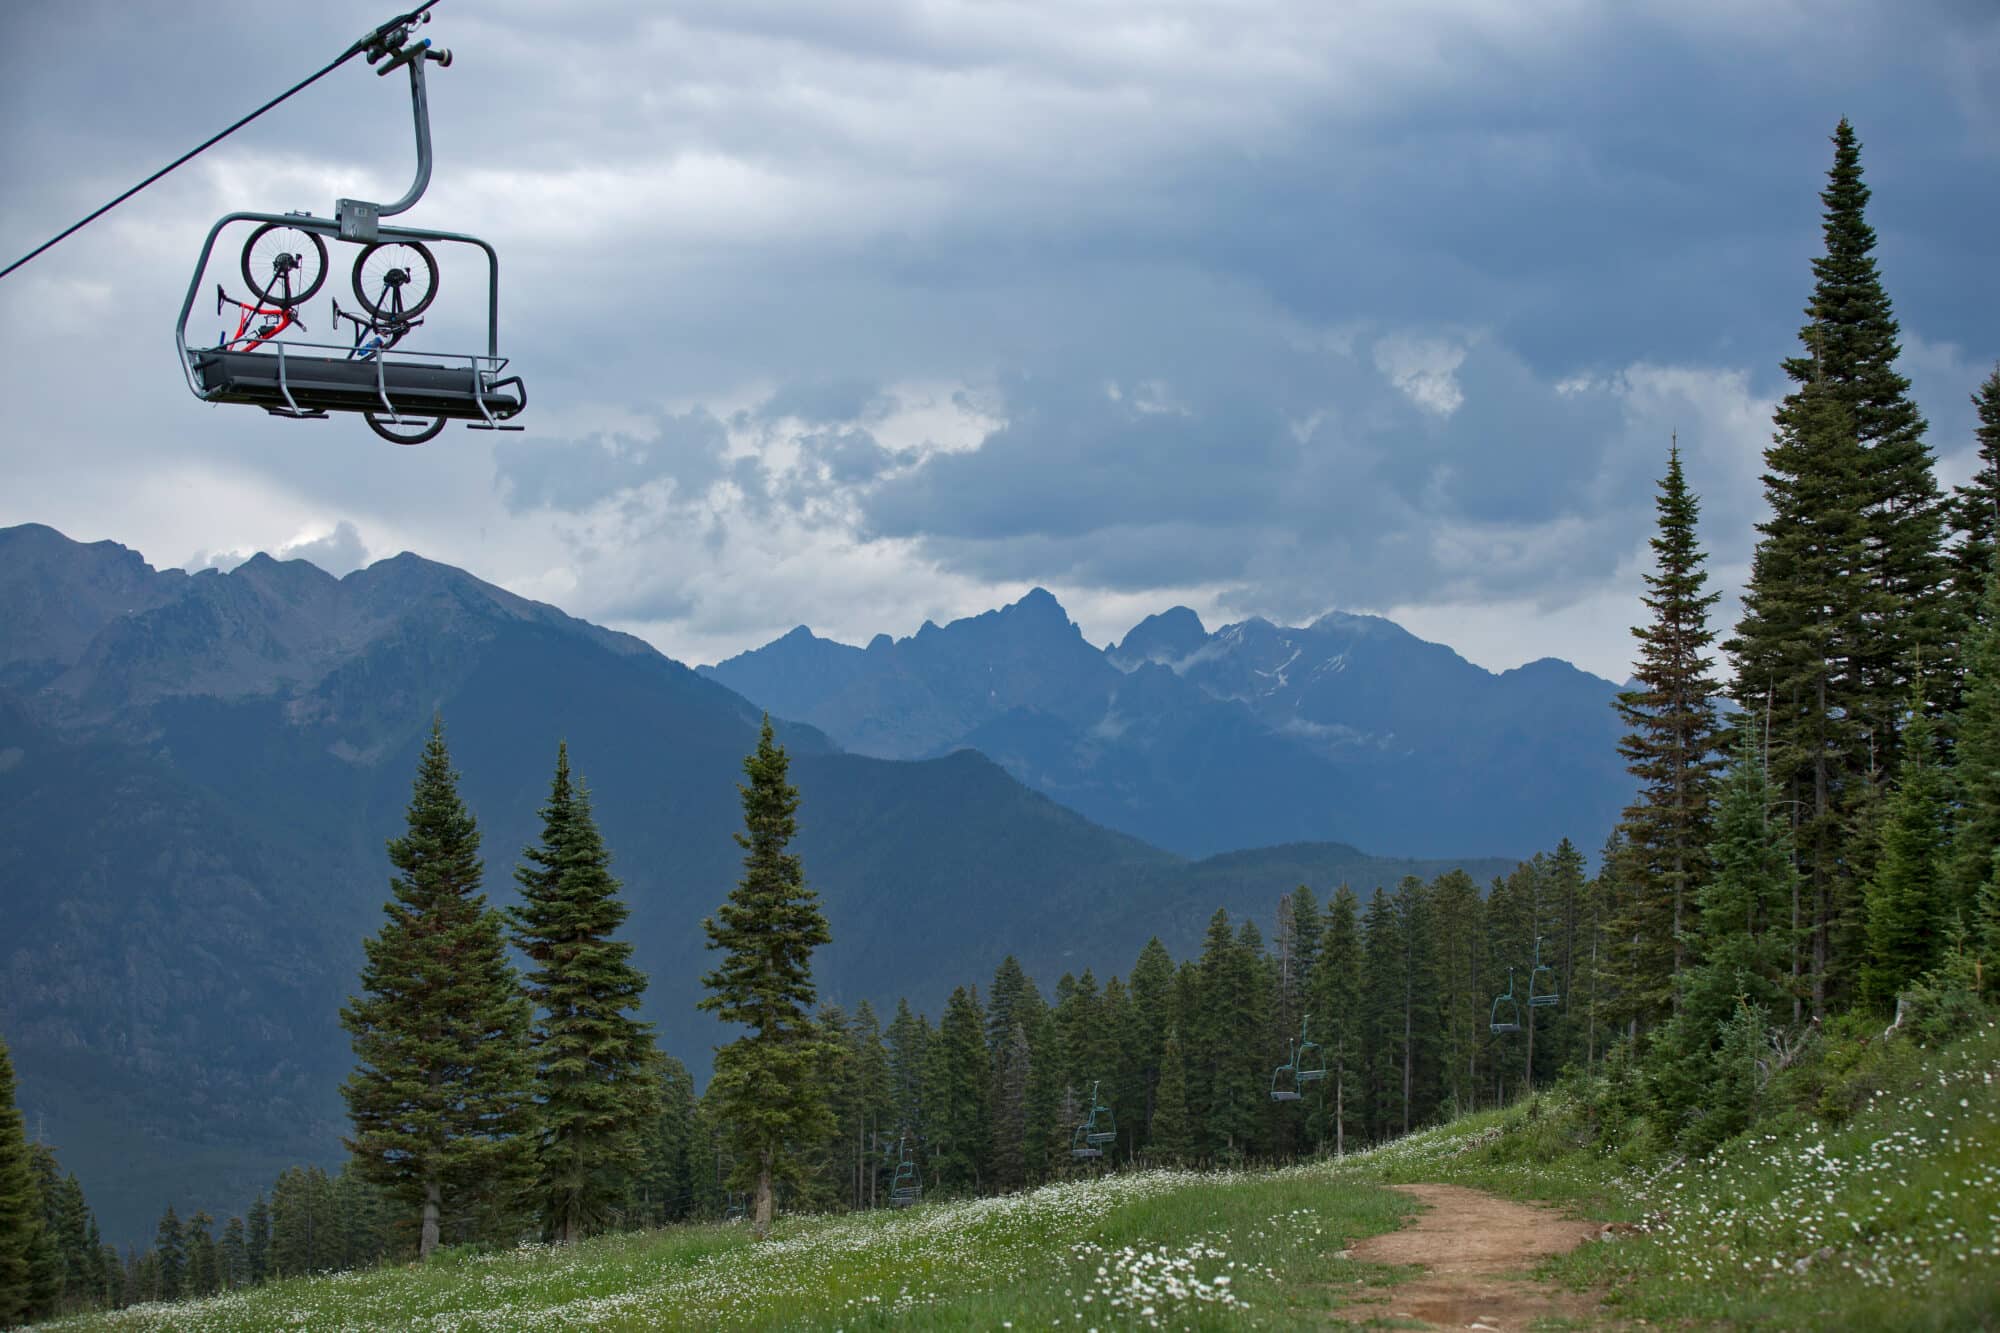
point(198, 774)
point(1349, 729)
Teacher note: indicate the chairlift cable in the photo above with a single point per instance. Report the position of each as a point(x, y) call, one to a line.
point(356, 49)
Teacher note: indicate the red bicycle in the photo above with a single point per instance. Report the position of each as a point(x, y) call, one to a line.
point(250, 334)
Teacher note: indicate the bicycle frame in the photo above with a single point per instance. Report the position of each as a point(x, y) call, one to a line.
point(286, 317)
point(385, 335)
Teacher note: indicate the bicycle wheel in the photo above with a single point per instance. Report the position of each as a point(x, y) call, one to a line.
point(402, 432)
point(284, 265)
point(395, 280)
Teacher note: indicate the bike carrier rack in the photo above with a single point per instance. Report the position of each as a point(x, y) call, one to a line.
point(309, 387)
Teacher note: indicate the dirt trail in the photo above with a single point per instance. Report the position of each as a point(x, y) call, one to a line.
point(1469, 1243)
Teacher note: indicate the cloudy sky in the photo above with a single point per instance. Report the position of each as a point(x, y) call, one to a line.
point(861, 314)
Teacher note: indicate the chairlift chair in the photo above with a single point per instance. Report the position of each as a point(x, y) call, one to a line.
point(1542, 988)
point(1311, 1061)
point(1506, 1014)
point(1090, 1138)
point(1298, 1069)
point(906, 1187)
point(405, 397)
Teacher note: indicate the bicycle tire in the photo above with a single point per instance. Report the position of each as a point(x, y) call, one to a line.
point(429, 432)
point(420, 275)
point(274, 287)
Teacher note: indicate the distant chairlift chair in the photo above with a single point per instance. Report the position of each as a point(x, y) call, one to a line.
point(1506, 1015)
point(907, 1187)
point(1542, 989)
point(1306, 1065)
point(1098, 1130)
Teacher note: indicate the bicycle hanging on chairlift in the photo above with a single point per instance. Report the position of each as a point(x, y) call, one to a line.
point(403, 399)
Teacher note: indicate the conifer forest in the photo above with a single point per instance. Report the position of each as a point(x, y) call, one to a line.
point(1810, 868)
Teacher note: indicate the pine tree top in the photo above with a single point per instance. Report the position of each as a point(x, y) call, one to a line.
point(771, 922)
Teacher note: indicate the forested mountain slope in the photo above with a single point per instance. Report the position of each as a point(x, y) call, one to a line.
point(198, 775)
point(1350, 728)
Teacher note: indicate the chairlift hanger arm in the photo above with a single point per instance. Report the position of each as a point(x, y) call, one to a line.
point(389, 47)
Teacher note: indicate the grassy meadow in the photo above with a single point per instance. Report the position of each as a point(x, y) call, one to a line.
point(1867, 1195)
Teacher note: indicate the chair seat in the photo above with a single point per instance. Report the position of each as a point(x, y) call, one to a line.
point(336, 384)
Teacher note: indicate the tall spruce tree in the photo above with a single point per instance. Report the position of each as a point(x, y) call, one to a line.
point(1670, 748)
point(1797, 652)
point(1152, 1014)
point(21, 1224)
point(594, 1086)
point(439, 1099)
point(958, 1095)
point(1849, 345)
point(1336, 1000)
point(765, 1086)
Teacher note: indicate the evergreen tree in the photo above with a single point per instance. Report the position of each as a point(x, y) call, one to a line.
point(235, 1254)
point(75, 1232)
point(594, 1087)
point(439, 1098)
point(1123, 1091)
point(21, 1225)
point(873, 1110)
point(1742, 949)
point(1798, 650)
point(1010, 989)
point(1976, 835)
point(1417, 1017)
point(1011, 1067)
point(1172, 1133)
point(170, 1275)
point(663, 1190)
point(1849, 346)
point(1152, 992)
point(1908, 901)
point(909, 1040)
point(1336, 999)
point(1669, 748)
point(1975, 517)
point(765, 1083)
point(257, 1240)
point(956, 1096)
point(1458, 927)
point(204, 1264)
point(1380, 1013)
point(305, 1233)
point(834, 1177)
point(1046, 1143)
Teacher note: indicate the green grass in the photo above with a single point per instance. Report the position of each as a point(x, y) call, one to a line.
point(1866, 1196)
point(1144, 1249)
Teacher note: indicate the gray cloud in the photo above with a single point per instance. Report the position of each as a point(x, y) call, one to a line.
point(685, 449)
point(339, 552)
